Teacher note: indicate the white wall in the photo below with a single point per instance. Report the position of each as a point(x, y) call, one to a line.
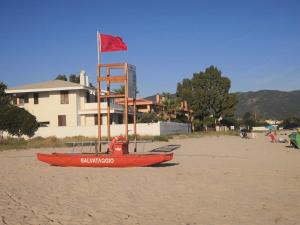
point(174, 128)
point(161, 128)
point(222, 128)
point(49, 107)
point(260, 129)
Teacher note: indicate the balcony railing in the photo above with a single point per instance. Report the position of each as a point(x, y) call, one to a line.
point(93, 107)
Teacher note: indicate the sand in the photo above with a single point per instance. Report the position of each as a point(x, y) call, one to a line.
point(211, 180)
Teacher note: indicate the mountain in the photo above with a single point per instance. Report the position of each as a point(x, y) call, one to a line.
point(269, 104)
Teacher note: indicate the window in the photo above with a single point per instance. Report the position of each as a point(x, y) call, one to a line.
point(15, 100)
point(44, 124)
point(88, 99)
point(143, 106)
point(64, 97)
point(96, 119)
point(23, 99)
point(62, 120)
point(36, 98)
point(26, 99)
point(120, 118)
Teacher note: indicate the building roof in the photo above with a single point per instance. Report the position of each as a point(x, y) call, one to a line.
point(139, 101)
point(52, 85)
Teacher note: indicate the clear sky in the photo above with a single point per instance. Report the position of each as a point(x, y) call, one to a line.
point(255, 43)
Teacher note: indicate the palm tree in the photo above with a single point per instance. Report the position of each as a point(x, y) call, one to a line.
point(120, 90)
point(168, 108)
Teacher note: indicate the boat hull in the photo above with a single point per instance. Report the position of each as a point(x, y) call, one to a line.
point(103, 160)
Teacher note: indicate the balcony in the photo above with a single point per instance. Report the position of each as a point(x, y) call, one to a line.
point(92, 108)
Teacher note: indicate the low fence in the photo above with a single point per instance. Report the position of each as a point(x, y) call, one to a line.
point(260, 129)
point(153, 129)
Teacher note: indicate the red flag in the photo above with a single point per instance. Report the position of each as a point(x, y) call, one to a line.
point(110, 43)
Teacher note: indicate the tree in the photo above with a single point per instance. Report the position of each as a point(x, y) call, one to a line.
point(120, 90)
point(291, 122)
point(207, 94)
point(14, 120)
point(61, 77)
point(169, 107)
point(230, 121)
point(74, 78)
point(249, 119)
point(148, 118)
point(4, 98)
point(17, 121)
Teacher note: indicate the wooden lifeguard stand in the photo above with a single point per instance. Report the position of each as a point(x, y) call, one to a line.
point(128, 79)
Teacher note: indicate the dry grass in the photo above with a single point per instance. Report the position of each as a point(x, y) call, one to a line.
point(207, 133)
point(52, 142)
point(40, 142)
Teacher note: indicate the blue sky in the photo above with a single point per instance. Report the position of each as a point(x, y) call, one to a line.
point(254, 43)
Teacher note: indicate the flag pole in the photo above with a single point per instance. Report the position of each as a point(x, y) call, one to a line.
point(99, 46)
point(98, 93)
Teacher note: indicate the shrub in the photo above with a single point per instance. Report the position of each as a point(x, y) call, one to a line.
point(17, 121)
point(291, 122)
point(148, 118)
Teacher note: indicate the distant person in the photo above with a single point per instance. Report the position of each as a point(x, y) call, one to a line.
point(273, 136)
point(243, 133)
point(275, 139)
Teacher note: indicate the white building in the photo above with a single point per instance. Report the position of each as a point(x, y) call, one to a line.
point(70, 109)
point(58, 103)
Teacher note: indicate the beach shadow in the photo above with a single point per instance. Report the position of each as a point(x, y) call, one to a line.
point(166, 148)
point(164, 165)
point(289, 146)
point(292, 147)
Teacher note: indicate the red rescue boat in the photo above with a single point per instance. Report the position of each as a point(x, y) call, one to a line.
point(118, 156)
point(103, 160)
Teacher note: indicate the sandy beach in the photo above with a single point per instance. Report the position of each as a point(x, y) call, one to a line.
point(211, 180)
